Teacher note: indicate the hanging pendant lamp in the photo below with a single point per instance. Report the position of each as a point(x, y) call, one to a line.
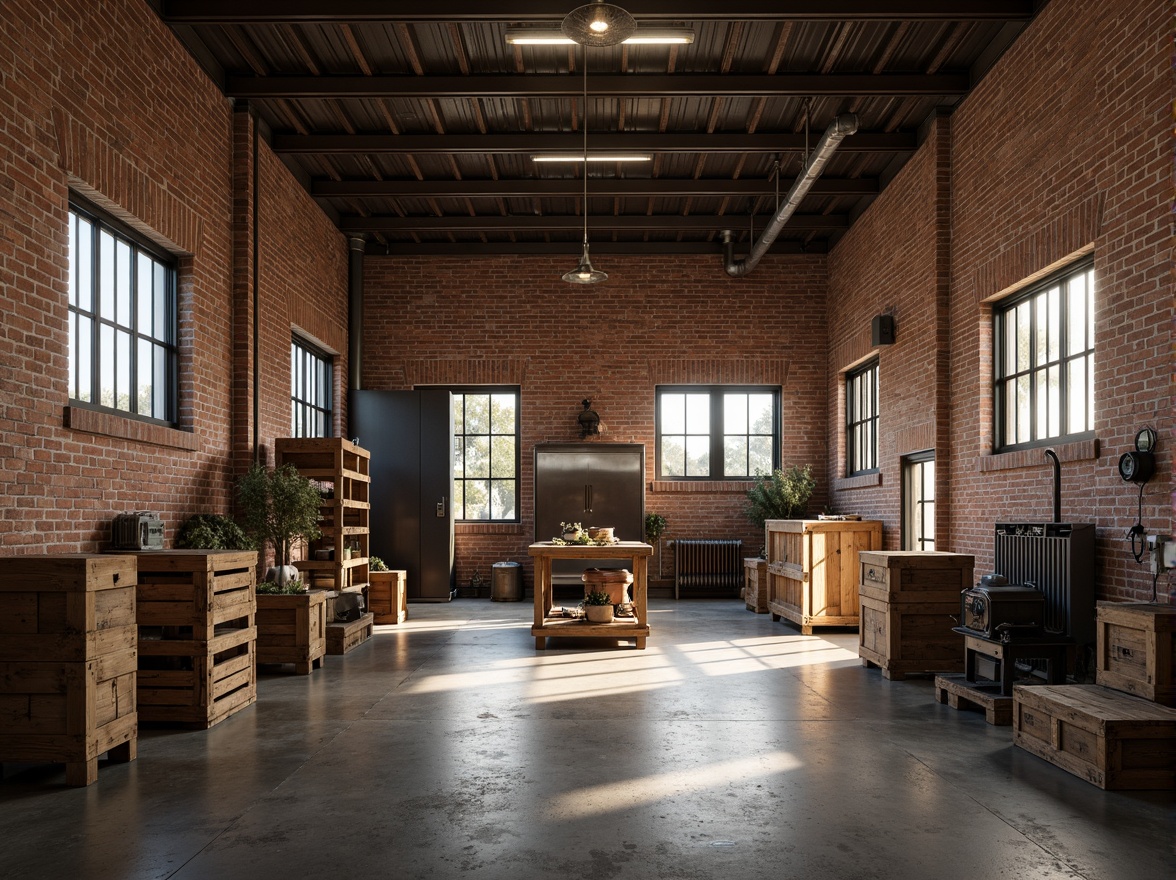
point(598, 24)
point(584, 273)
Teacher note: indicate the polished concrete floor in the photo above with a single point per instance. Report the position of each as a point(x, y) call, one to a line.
point(448, 747)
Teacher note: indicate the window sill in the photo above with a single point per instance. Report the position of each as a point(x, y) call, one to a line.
point(863, 481)
point(733, 486)
point(487, 528)
point(1079, 450)
point(106, 424)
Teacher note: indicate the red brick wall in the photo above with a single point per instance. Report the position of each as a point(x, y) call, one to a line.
point(1063, 148)
point(657, 320)
point(102, 99)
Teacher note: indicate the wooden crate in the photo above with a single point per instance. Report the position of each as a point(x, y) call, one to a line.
point(755, 585)
point(68, 661)
point(197, 635)
point(813, 569)
point(1110, 739)
point(908, 604)
point(1136, 650)
point(343, 637)
point(292, 629)
point(388, 596)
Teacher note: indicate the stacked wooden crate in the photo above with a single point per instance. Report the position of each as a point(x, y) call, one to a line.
point(197, 635)
point(909, 601)
point(1121, 732)
point(388, 595)
point(813, 569)
point(67, 661)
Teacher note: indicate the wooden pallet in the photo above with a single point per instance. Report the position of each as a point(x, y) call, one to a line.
point(959, 693)
point(68, 661)
point(344, 637)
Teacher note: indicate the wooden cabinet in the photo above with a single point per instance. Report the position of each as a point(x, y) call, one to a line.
point(197, 635)
point(909, 600)
point(343, 470)
point(813, 569)
point(68, 661)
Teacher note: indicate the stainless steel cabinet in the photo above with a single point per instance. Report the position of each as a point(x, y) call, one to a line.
point(596, 484)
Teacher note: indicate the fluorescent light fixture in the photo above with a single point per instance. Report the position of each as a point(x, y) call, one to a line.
point(643, 36)
point(592, 157)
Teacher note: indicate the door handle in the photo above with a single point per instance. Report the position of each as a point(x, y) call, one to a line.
point(588, 497)
point(441, 507)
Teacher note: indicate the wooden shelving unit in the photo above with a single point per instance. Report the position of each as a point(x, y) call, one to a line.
point(345, 511)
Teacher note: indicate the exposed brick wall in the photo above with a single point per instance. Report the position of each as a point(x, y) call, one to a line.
point(102, 99)
point(656, 320)
point(1061, 149)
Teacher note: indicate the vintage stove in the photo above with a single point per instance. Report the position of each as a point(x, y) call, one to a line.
point(999, 611)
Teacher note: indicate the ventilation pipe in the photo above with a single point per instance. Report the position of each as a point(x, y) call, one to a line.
point(356, 245)
point(841, 127)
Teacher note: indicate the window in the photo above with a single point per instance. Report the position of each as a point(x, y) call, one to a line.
point(486, 454)
point(918, 502)
point(861, 420)
point(717, 432)
point(312, 375)
point(122, 318)
point(1044, 361)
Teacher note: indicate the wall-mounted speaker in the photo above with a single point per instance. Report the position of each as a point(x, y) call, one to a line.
point(882, 330)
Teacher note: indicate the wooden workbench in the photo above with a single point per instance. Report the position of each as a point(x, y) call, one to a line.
point(636, 628)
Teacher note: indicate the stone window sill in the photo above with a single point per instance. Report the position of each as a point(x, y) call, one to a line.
point(106, 424)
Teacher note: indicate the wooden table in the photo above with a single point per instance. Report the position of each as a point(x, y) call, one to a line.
point(621, 628)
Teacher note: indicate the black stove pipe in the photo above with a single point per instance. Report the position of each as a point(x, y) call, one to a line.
point(1057, 485)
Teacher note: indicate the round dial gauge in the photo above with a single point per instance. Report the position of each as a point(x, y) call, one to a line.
point(1145, 440)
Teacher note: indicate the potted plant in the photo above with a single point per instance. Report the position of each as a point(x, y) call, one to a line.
point(571, 532)
point(211, 531)
point(598, 607)
point(783, 494)
point(278, 507)
point(655, 525)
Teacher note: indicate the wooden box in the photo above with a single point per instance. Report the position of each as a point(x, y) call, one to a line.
point(292, 629)
point(813, 569)
point(1136, 650)
point(755, 585)
point(197, 635)
point(343, 637)
point(908, 602)
point(68, 661)
point(1110, 739)
point(388, 596)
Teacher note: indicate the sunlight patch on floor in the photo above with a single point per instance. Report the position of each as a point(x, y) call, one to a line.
point(643, 791)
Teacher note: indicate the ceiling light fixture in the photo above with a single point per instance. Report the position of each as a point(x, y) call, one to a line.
point(641, 36)
point(598, 24)
point(584, 273)
point(591, 157)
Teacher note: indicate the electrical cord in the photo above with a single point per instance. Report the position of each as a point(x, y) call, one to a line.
point(1137, 533)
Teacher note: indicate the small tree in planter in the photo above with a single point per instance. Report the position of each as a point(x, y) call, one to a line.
point(278, 507)
point(780, 495)
point(655, 525)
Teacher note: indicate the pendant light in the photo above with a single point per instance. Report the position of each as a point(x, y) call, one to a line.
point(598, 24)
point(584, 273)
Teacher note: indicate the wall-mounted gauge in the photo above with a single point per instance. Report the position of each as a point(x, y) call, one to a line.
point(1145, 440)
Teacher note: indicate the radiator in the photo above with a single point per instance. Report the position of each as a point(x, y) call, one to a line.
point(1057, 558)
point(708, 565)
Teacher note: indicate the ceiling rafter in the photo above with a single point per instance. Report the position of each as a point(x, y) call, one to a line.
point(628, 187)
point(781, 85)
point(627, 222)
point(526, 11)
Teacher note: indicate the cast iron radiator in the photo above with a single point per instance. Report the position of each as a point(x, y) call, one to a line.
point(708, 566)
point(1058, 559)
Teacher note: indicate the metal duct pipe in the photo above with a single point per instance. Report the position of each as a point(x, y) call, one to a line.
point(356, 246)
point(841, 127)
point(1057, 485)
